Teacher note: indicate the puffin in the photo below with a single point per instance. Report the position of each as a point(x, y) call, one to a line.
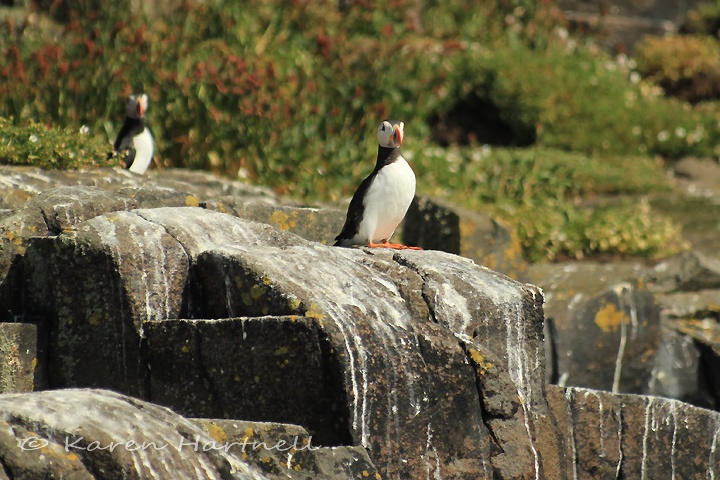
point(134, 142)
point(383, 198)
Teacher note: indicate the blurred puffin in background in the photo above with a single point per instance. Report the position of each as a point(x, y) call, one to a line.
point(134, 143)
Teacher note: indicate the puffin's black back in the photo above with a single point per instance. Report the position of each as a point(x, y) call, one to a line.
point(355, 212)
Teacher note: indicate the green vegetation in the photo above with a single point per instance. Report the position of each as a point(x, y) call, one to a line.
point(288, 94)
point(38, 145)
point(684, 65)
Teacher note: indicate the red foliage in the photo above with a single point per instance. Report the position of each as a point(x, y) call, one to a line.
point(17, 67)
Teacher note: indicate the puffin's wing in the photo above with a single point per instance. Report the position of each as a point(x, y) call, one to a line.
point(125, 136)
point(128, 157)
point(355, 211)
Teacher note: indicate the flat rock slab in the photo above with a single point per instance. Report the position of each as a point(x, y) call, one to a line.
point(689, 271)
point(314, 224)
point(20, 184)
point(285, 451)
point(95, 434)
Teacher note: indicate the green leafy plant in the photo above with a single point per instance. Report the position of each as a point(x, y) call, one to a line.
point(38, 145)
point(685, 66)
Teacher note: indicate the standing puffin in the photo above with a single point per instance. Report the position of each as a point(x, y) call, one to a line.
point(382, 199)
point(134, 143)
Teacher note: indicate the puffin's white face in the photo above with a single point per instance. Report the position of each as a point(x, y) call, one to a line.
point(390, 133)
point(136, 105)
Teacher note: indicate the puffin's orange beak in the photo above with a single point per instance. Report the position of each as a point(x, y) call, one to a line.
point(397, 135)
point(140, 108)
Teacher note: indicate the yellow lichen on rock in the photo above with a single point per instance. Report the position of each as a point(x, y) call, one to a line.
point(283, 220)
point(313, 312)
point(609, 318)
point(216, 432)
point(479, 361)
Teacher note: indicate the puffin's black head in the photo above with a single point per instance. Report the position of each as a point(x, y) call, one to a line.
point(136, 105)
point(390, 133)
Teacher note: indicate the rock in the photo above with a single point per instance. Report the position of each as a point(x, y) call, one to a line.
point(694, 304)
point(677, 370)
point(618, 25)
point(699, 176)
point(43, 202)
point(431, 226)
point(264, 368)
point(689, 271)
point(87, 434)
point(395, 364)
point(371, 347)
point(317, 225)
point(604, 331)
point(18, 185)
point(631, 436)
point(63, 207)
point(435, 225)
point(77, 277)
point(287, 451)
point(18, 349)
point(491, 244)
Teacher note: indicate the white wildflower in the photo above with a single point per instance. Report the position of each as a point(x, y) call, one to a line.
point(84, 130)
point(663, 136)
point(680, 132)
point(33, 138)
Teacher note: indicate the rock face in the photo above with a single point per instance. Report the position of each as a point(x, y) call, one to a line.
point(411, 364)
point(630, 436)
point(602, 327)
point(300, 343)
point(618, 25)
point(89, 434)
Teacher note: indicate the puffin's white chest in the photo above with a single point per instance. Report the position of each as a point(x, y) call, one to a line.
point(387, 201)
point(143, 145)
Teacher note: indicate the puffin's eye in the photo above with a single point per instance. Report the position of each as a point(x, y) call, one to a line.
point(383, 127)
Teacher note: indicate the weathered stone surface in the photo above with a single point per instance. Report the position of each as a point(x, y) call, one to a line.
point(619, 25)
point(431, 225)
point(317, 225)
point(287, 451)
point(623, 328)
point(20, 184)
point(603, 331)
point(18, 351)
point(630, 436)
point(258, 368)
point(95, 289)
point(408, 361)
point(393, 334)
point(677, 370)
point(63, 207)
point(94, 434)
point(491, 244)
point(403, 364)
point(689, 271)
point(689, 305)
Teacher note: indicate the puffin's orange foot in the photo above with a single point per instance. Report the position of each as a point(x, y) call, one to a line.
point(395, 246)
